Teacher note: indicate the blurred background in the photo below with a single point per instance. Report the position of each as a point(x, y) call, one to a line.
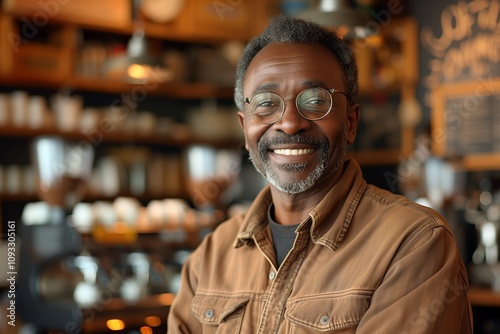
point(120, 147)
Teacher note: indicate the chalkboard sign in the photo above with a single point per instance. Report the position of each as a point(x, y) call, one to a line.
point(466, 118)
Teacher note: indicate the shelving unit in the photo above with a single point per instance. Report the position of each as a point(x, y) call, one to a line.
point(13, 75)
point(197, 24)
point(193, 26)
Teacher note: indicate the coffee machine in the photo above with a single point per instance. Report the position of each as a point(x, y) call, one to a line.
point(483, 211)
point(63, 168)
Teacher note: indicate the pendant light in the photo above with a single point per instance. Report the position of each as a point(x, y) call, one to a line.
point(338, 15)
point(141, 64)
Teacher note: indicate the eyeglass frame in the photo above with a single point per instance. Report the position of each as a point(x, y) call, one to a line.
point(331, 91)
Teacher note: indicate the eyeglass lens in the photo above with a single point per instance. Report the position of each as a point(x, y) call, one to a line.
point(312, 104)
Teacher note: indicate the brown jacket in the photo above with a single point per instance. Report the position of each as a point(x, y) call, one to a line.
point(366, 261)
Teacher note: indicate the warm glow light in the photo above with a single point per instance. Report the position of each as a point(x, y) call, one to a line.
point(166, 298)
point(146, 330)
point(152, 321)
point(139, 72)
point(121, 227)
point(115, 324)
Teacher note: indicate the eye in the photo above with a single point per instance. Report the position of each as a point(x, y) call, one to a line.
point(314, 99)
point(265, 103)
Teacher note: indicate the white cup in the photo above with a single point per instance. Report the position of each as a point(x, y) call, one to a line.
point(127, 209)
point(110, 171)
point(19, 108)
point(67, 110)
point(37, 108)
point(146, 123)
point(83, 217)
point(89, 120)
point(156, 214)
point(105, 214)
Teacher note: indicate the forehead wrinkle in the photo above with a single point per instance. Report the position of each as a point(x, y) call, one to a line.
point(275, 59)
point(275, 64)
point(279, 71)
point(272, 86)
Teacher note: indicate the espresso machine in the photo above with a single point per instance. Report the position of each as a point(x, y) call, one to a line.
point(483, 211)
point(63, 169)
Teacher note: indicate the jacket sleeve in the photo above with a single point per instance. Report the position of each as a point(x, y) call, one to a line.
point(180, 318)
point(424, 290)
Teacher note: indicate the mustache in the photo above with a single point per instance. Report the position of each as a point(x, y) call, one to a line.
point(283, 139)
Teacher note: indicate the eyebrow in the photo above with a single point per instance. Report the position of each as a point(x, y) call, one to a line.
point(265, 88)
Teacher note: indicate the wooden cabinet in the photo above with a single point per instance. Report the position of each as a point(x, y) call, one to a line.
point(388, 75)
point(228, 19)
point(197, 21)
point(110, 13)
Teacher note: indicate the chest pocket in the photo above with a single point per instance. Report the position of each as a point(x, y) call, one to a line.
point(219, 314)
point(330, 313)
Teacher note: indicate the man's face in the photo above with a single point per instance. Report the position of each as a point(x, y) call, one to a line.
point(295, 154)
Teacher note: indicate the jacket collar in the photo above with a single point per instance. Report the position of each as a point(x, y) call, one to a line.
point(330, 219)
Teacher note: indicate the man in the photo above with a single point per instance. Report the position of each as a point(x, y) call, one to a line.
point(319, 250)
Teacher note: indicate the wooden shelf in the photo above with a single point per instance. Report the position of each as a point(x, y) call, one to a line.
point(118, 137)
point(484, 297)
point(146, 241)
point(376, 157)
point(481, 162)
point(173, 90)
point(159, 31)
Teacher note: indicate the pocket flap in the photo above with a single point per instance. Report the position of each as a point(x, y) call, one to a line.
point(212, 310)
point(328, 312)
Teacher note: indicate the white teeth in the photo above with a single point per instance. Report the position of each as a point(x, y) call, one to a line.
point(299, 151)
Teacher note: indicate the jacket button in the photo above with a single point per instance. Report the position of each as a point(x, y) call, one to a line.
point(272, 275)
point(209, 313)
point(324, 320)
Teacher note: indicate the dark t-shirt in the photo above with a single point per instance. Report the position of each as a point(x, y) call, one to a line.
point(283, 237)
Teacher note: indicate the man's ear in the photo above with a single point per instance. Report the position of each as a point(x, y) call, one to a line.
point(352, 123)
point(241, 118)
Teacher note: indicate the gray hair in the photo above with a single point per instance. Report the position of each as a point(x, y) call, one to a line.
point(285, 29)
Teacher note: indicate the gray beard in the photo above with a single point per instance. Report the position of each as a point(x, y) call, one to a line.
point(318, 172)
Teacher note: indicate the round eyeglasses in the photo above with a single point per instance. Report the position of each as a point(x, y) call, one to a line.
point(312, 104)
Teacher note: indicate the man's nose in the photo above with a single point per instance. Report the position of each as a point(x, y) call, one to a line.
point(292, 121)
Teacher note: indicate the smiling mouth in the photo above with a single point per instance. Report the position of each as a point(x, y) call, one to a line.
point(299, 151)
